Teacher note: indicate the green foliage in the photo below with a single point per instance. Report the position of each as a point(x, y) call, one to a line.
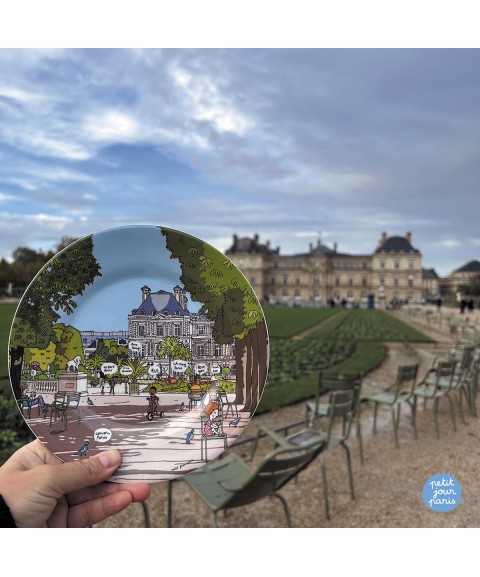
point(7, 311)
point(14, 432)
point(287, 322)
point(371, 325)
point(213, 280)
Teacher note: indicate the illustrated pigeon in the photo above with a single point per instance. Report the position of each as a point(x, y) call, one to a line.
point(189, 436)
point(83, 450)
point(181, 407)
point(235, 422)
point(89, 401)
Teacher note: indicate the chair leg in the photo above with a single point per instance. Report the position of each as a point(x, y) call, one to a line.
point(325, 487)
point(375, 406)
point(435, 415)
point(414, 416)
point(350, 474)
point(359, 436)
point(452, 412)
point(414, 423)
point(214, 519)
point(395, 425)
point(285, 508)
point(146, 515)
point(169, 504)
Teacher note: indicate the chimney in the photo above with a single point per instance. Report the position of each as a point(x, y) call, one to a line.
point(145, 292)
point(235, 241)
point(177, 291)
point(256, 238)
point(409, 237)
point(383, 240)
point(184, 300)
point(335, 247)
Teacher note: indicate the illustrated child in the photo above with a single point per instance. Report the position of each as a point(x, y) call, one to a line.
point(211, 427)
point(153, 401)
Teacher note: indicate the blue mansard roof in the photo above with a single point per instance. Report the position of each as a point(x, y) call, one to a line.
point(161, 302)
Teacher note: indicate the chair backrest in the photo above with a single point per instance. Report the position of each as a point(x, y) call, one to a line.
point(72, 400)
point(445, 373)
point(275, 471)
point(342, 406)
point(328, 382)
point(406, 379)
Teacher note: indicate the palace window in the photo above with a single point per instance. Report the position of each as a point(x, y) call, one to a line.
point(201, 329)
point(200, 350)
point(177, 330)
point(218, 350)
point(160, 331)
point(141, 331)
point(316, 279)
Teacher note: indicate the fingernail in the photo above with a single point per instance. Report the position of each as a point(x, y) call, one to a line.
point(110, 458)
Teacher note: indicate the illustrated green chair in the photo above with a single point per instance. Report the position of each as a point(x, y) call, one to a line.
point(326, 383)
point(394, 396)
point(232, 482)
point(436, 385)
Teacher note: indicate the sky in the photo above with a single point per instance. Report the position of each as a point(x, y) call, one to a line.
point(124, 270)
point(293, 144)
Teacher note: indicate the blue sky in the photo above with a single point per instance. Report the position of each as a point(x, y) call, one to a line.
point(129, 257)
point(341, 144)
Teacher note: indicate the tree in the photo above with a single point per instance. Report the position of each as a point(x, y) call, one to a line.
point(63, 278)
point(172, 348)
point(139, 369)
point(94, 362)
point(228, 299)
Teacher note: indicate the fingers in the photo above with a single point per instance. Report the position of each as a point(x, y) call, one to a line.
point(97, 510)
point(139, 492)
point(76, 475)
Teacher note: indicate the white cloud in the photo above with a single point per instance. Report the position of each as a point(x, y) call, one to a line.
point(111, 126)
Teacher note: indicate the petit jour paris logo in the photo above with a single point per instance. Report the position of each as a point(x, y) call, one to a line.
point(442, 492)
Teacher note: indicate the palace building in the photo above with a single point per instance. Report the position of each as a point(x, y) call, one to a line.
point(162, 314)
point(323, 274)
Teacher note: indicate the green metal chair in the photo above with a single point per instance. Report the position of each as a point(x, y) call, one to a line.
point(326, 383)
point(395, 396)
point(435, 386)
point(232, 482)
point(341, 411)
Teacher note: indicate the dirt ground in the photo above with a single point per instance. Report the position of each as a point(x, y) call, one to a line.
point(388, 485)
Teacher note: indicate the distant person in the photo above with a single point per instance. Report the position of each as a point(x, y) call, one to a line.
point(439, 304)
point(470, 305)
point(463, 304)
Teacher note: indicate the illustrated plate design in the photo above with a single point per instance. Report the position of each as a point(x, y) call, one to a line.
point(140, 338)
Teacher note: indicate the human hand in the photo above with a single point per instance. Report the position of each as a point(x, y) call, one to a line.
point(41, 491)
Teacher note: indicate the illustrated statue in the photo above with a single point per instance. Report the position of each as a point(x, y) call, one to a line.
point(74, 364)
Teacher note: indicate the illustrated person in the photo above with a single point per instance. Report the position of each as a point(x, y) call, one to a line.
point(112, 386)
point(211, 427)
point(38, 490)
point(153, 401)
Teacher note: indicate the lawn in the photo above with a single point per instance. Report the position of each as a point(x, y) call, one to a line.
point(347, 341)
point(286, 322)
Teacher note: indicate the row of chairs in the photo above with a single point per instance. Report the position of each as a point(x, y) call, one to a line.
point(233, 482)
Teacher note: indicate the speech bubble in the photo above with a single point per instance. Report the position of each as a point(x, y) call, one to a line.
point(216, 369)
point(109, 368)
point(125, 371)
point(102, 435)
point(135, 346)
point(179, 366)
point(154, 370)
point(200, 368)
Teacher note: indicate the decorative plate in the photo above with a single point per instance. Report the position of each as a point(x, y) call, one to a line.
point(140, 338)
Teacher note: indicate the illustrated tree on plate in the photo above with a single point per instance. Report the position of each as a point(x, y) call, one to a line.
point(63, 278)
point(228, 300)
point(172, 348)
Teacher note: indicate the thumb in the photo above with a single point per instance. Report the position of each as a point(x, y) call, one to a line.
point(77, 475)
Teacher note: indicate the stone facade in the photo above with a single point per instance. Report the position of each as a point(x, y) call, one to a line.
point(393, 272)
point(163, 314)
